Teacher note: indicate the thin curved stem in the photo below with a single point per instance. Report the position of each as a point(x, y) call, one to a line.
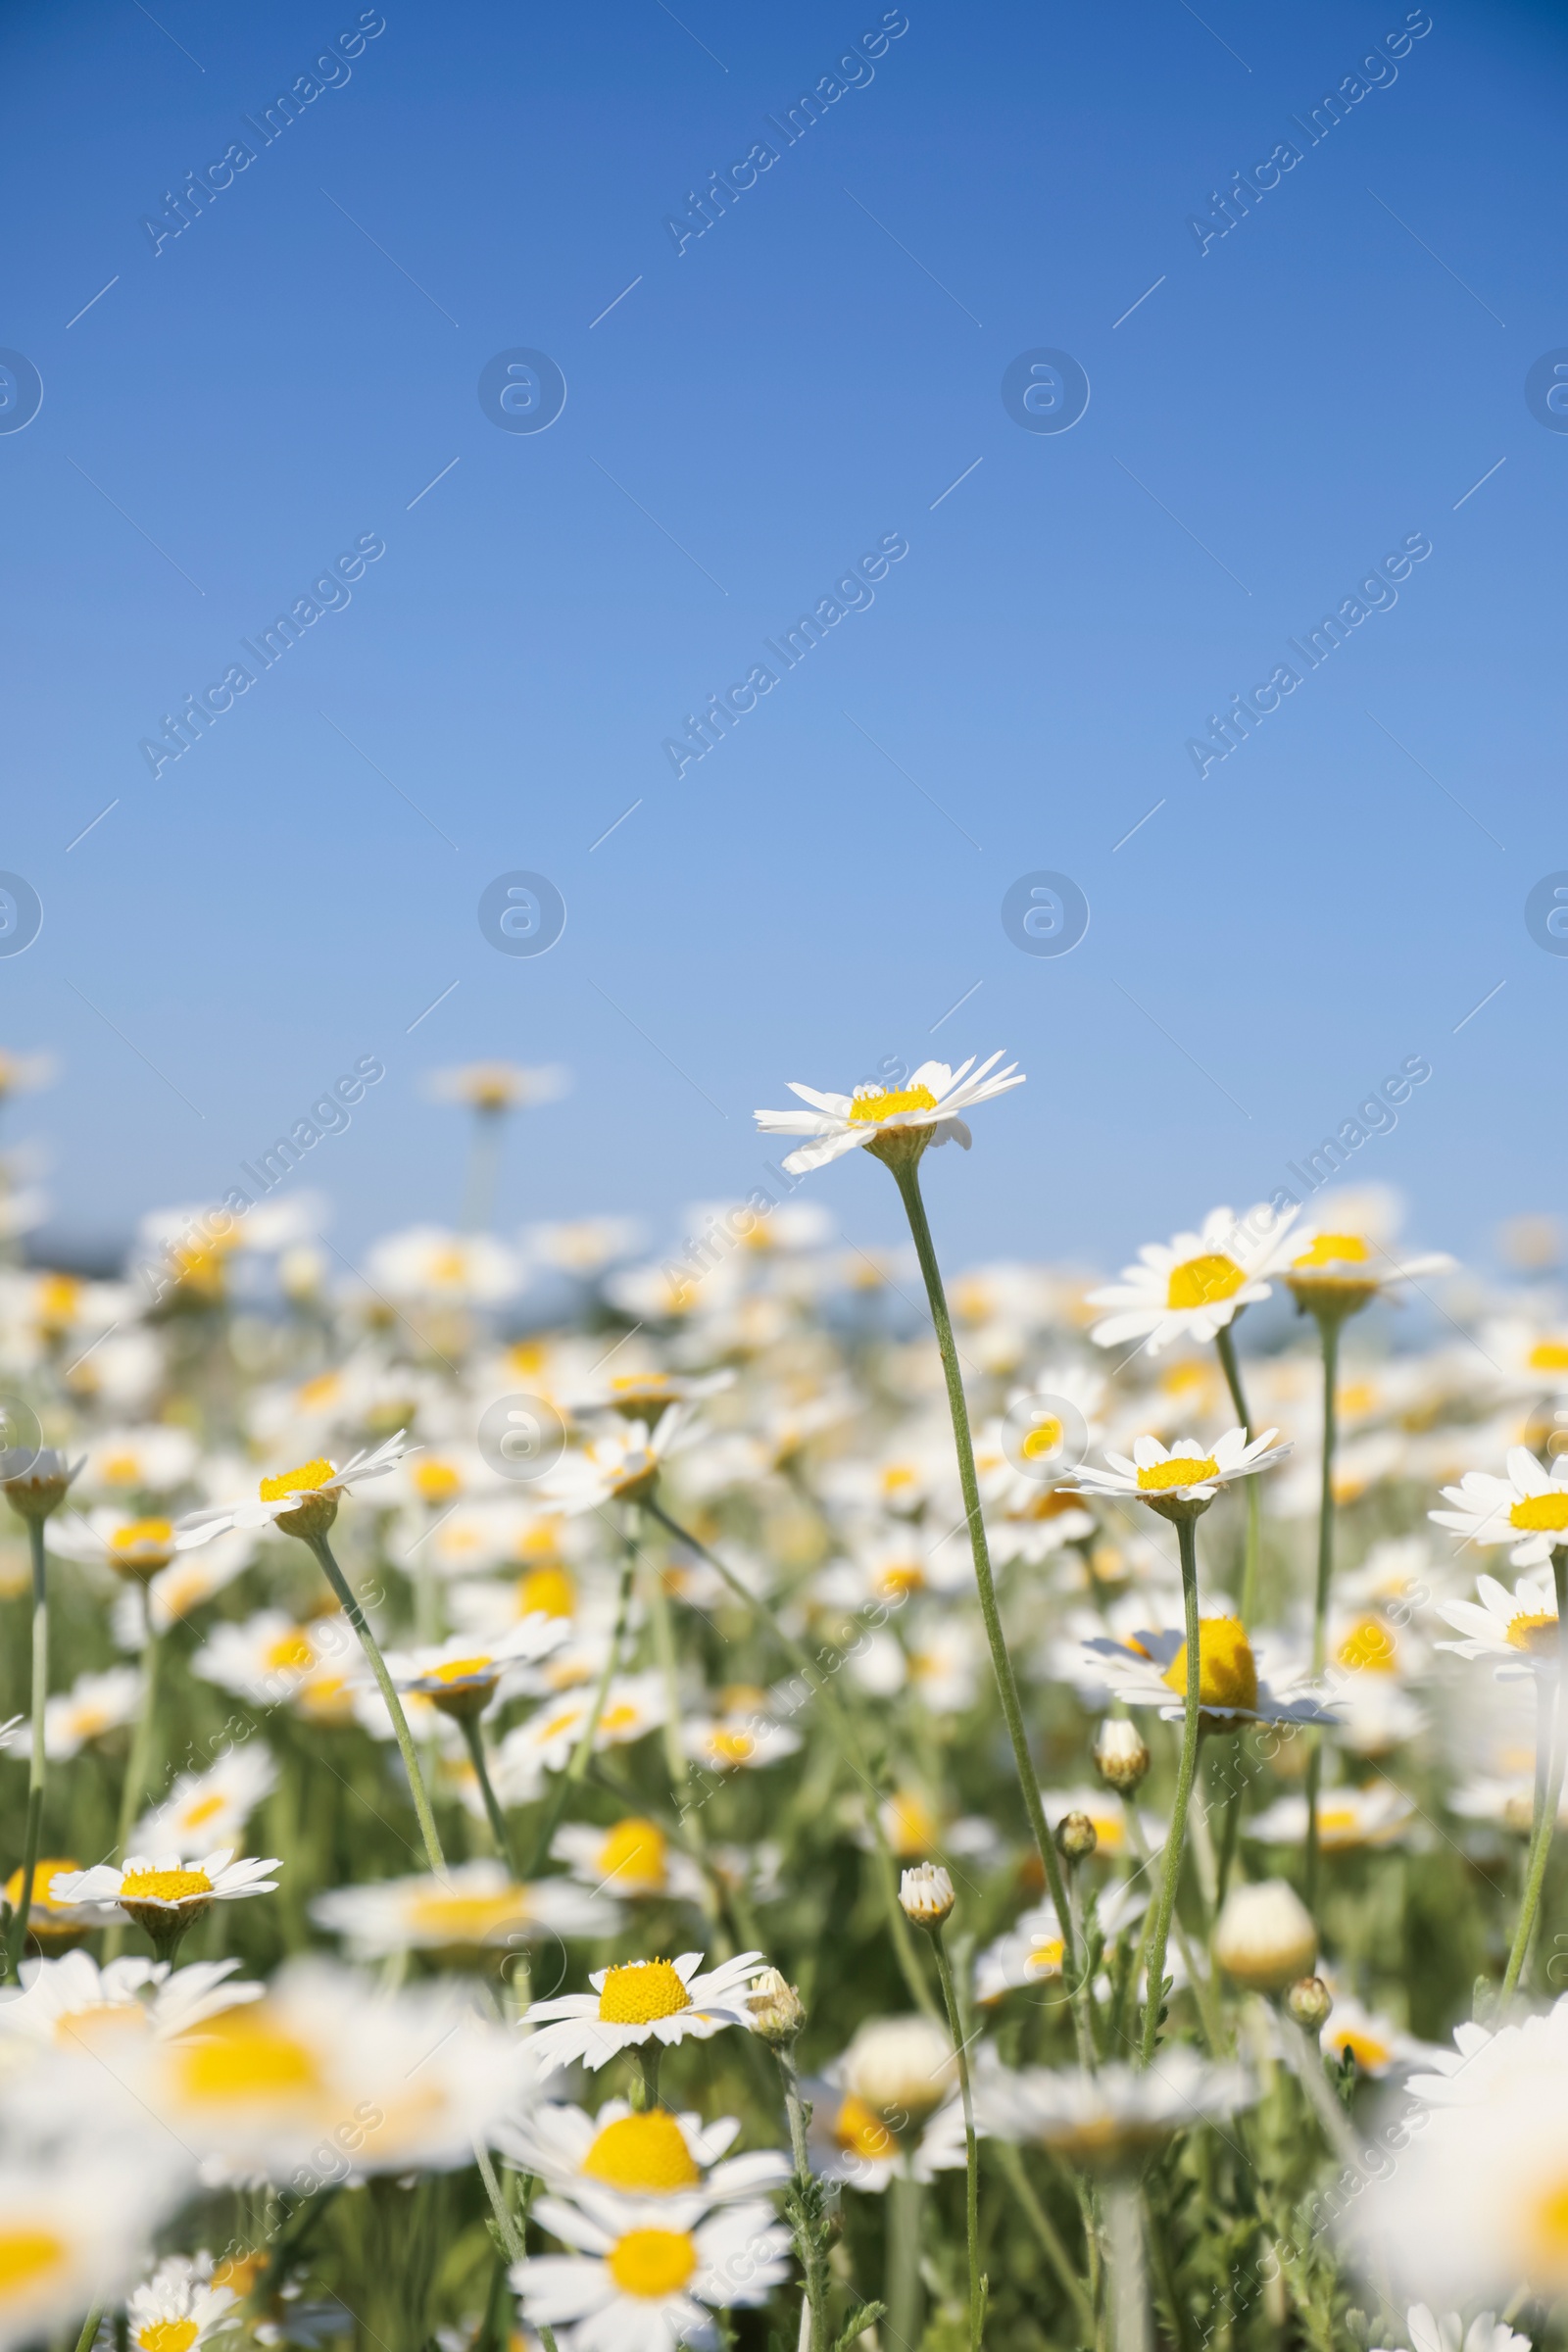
point(394, 1705)
point(473, 1740)
point(1044, 2229)
point(1540, 1841)
point(1187, 1535)
point(1329, 1326)
point(15, 1942)
point(1225, 1348)
point(977, 2284)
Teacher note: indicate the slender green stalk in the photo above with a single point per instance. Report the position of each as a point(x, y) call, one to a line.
point(1225, 1344)
point(473, 1740)
point(582, 1754)
point(1203, 1987)
point(1187, 1534)
point(15, 1942)
point(977, 2284)
point(806, 2206)
point(90, 2326)
point(394, 1705)
point(905, 2290)
point(1233, 1810)
point(906, 1174)
point(650, 2057)
point(1129, 2282)
point(484, 1161)
point(1329, 1324)
point(506, 2221)
point(1540, 1841)
point(1044, 2229)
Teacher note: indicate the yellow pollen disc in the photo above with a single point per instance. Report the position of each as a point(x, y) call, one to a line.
point(1542, 1514)
point(448, 1265)
point(44, 1877)
point(1042, 1439)
point(1046, 1958)
point(730, 1747)
point(1182, 1470)
point(643, 2155)
point(1334, 1248)
point(26, 2256)
point(859, 2133)
point(436, 1482)
point(892, 1584)
point(1227, 1671)
point(140, 1538)
point(86, 2024)
point(547, 1591)
point(912, 1826)
point(244, 2055)
point(311, 1394)
point(1549, 2234)
point(164, 1886)
point(1536, 1635)
point(1337, 1825)
point(304, 1481)
point(618, 1719)
point(651, 2262)
point(121, 1469)
point(628, 1387)
point(634, 1855)
point(563, 1722)
point(867, 1109)
point(57, 1297)
point(238, 2271)
point(466, 1918)
point(167, 2335)
point(202, 1811)
point(1368, 1647)
point(292, 1650)
point(641, 1991)
point(462, 1670)
point(1549, 1355)
point(1201, 1281)
point(1054, 1504)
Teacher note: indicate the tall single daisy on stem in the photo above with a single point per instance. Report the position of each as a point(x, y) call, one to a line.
point(1180, 1485)
point(35, 1482)
point(896, 1128)
point(490, 1090)
point(304, 1504)
point(461, 1676)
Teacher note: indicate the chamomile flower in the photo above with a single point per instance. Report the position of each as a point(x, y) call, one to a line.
point(1347, 1818)
point(1528, 1509)
point(268, 1656)
point(1377, 2046)
point(164, 1894)
point(621, 1463)
point(1339, 1273)
point(1185, 1473)
point(477, 1906)
point(292, 1491)
point(738, 1741)
point(1113, 2119)
point(496, 1086)
point(1519, 1629)
point(177, 2309)
point(1484, 2334)
point(934, 1100)
point(647, 2274)
point(1149, 1670)
point(151, 1459)
point(54, 1921)
point(1033, 1948)
point(634, 1705)
point(71, 2233)
point(644, 2000)
point(71, 2001)
point(461, 1676)
point(633, 1858)
point(654, 2153)
point(217, 1803)
point(94, 1705)
point(1194, 1286)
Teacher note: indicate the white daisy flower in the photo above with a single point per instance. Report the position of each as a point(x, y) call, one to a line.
point(1031, 1951)
point(461, 1676)
point(495, 1086)
point(634, 1705)
point(290, 1492)
point(738, 1741)
point(152, 1459)
point(164, 1894)
point(654, 2153)
point(428, 1265)
point(477, 1906)
point(191, 1577)
point(935, 1099)
point(1194, 1285)
point(1528, 1509)
point(72, 2233)
point(659, 2000)
point(647, 2273)
point(1347, 1818)
point(134, 1547)
point(54, 1920)
point(268, 1656)
point(850, 2143)
point(94, 1705)
point(1484, 2334)
point(71, 2001)
point(633, 1857)
point(1377, 2046)
point(177, 2309)
point(621, 1462)
point(1149, 1670)
point(1518, 1628)
point(1346, 1270)
point(1115, 2117)
point(217, 1803)
point(1185, 1472)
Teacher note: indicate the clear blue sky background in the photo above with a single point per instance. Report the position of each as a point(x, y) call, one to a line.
point(755, 413)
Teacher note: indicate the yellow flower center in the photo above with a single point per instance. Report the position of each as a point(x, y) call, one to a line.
point(896, 1583)
point(634, 1854)
point(86, 2024)
point(143, 1539)
point(466, 1918)
point(311, 1394)
point(641, 1991)
point(878, 1104)
point(1334, 1248)
point(167, 2335)
point(202, 1811)
point(244, 2054)
point(1227, 1671)
point(121, 1470)
point(1548, 2236)
point(1537, 1635)
point(622, 1718)
point(549, 1590)
point(44, 1877)
point(1042, 1439)
point(1054, 1504)
point(57, 1295)
point(1549, 1355)
point(859, 2133)
point(1200, 1281)
point(238, 2271)
point(304, 1481)
point(1182, 1470)
point(164, 1886)
point(1542, 1513)
point(730, 1747)
point(461, 1669)
point(436, 1482)
point(643, 2155)
point(911, 1825)
point(293, 1650)
point(1045, 1960)
point(26, 2256)
point(1337, 1825)
point(651, 2262)
point(1368, 1647)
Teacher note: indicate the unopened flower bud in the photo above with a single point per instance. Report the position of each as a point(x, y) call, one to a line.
point(926, 1894)
point(777, 2010)
point(35, 1478)
point(1264, 1938)
point(901, 2066)
point(1310, 2001)
point(1076, 1836)
point(1120, 1755)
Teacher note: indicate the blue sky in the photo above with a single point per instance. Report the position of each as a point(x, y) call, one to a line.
point(1272, 413)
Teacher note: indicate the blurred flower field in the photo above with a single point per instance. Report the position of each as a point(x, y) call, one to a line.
point(783, 1796)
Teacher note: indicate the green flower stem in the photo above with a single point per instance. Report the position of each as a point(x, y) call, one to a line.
point(90, 2326)
point(15, 1942)
point(1233, 1810)
point(650, 2057)
point(1044, 2229)
point(842, 1734)
point(907, 1175)
point(905, 2290)
point(1225, 1346)
point(506, 2221)
point(394, 1705)
point(473, 1740)
point(1129, 2280)
point(1187, 1534)
point(1203, 1987)
point(582, 1755)
point(977, 2283)
point(806, 2206)
point(1329, 1324)
point(1557, 1735)
point(140, 1763)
